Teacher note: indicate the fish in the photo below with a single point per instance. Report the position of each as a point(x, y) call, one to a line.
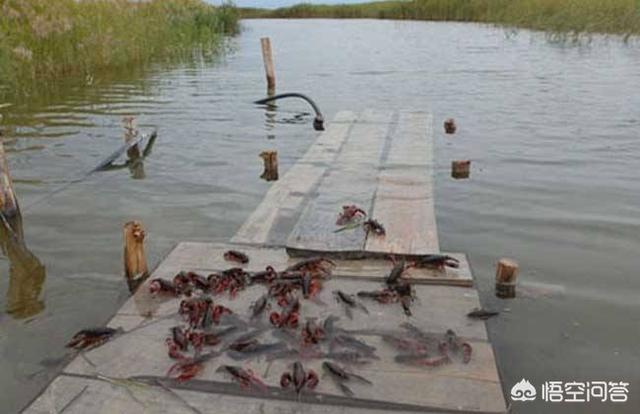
point(481, 314)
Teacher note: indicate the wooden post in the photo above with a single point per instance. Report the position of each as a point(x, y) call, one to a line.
point(135, 262)
point(267, 58)
point(270, 159)
point(450, 126)
point(8, 201)
point(506, 275)
point(460, 169)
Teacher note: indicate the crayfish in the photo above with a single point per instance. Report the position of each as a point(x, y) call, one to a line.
point(178, 342)
point(350, 213)
point(299, 378)
point(188, 367)
point(374, 226)
point(233, 280)
point(162, 286)
point(92, 337)
point(236, 256)
point(288, 318)
point(312, 333)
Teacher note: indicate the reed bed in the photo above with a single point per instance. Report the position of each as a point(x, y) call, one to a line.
point(45, 40)
point(558, 16)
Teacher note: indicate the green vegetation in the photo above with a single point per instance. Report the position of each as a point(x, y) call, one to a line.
point(559, 16)
point(45, 40)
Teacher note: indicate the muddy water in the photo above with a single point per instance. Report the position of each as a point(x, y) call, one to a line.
point(552, 130)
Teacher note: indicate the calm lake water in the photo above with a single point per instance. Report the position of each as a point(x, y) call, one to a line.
point(553, 131)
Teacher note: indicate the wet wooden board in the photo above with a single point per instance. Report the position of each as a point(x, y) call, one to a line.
point(473, 387)
point(404, 197)
point(350, 180)
point(198, 256)
point(283, 202)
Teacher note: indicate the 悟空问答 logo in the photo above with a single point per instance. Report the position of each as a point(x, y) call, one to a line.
point(523, 391)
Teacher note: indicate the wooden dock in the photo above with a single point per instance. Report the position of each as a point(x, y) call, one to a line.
point(379, 160)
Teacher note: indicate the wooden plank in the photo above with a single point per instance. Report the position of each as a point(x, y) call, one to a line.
point(351, 180)
point(90, 395)
point(404, 205)
point(404, 198)
point(273, 219)
point(200, 256)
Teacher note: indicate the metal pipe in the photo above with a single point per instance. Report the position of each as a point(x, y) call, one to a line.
point(318, 122)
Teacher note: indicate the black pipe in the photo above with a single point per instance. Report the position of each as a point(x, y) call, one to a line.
point(318, 121)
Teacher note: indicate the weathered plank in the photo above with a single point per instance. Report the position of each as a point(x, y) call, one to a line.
point(273, 219)
point(77, 395)
point(404, 198)
point(404, 205)
point(351, 180)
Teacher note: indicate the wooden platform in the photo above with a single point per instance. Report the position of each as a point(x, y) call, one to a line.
point(379, 160)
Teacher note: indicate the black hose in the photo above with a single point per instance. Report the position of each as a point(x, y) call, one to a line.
point(318, 122)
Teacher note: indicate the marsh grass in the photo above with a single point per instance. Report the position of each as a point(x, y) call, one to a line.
point(559, 17)
point(43, 40)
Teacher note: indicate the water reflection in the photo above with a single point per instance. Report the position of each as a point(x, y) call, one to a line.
point(270, 119)
point(26, 273)
point(135, 159)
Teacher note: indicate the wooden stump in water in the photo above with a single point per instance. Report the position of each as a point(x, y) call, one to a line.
point(8, 201)
point(506, 275)
point(270, 159)
point(135, 263)
point(460, 169)
point(269, 70)
point(450, 126)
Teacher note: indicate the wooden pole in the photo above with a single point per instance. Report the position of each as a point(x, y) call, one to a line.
point(8, 201)
point(270, 159)
point(460, 169)
point(135, 262)
point(450, 126)
point(267, 58)
point(506, 275)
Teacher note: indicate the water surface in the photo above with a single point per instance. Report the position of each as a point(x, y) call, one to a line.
point(551, 129)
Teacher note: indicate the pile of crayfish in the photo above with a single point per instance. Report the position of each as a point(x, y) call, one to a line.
point(274, 327)
point(210, 324)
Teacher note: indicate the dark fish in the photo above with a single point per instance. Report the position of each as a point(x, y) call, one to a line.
point(343, 375)
point(422, 359)
point(481, 314)
point(254, 348)
point(259, 306)
point(350, 302)
point(358, 345)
